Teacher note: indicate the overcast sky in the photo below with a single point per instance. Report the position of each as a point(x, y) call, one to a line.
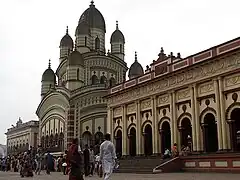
point(30, 32)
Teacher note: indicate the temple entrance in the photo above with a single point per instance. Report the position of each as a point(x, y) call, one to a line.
point(165, 137)
point(148, 149)
point(186, 132)
point(132, 142)
point(234, 126)
point(210, 133)
point(119, 143)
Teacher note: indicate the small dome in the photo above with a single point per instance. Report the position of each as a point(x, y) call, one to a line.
point(66, 41)
point(117, 35)
point(136, 69)
point(75, 58)
point(93, 17)
point(82, 28)
point(49, 74)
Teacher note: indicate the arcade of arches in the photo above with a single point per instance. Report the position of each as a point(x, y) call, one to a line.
point(206, 122)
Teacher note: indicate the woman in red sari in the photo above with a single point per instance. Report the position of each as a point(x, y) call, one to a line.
point(75, 161)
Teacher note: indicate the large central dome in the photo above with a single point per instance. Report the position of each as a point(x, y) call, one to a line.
point(93, 17)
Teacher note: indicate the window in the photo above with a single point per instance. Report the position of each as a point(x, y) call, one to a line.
point(78, 74)
point(97, 43)
point(85, 41)
point(112, 82)
point(121, 48)
point(94, 79)
point(103, 79)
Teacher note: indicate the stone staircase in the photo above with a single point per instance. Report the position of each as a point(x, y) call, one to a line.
point(144, 165)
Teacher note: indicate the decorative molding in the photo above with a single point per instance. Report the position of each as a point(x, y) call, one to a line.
point(178, 80)
point(131, 108)
point(206, 87)
point(183, 94)
point(117, 112)
point(146, 104)
point(164, 99)
point(232, 81)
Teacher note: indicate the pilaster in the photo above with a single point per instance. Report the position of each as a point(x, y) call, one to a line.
point(155, 132)
point(222, 113)
point(194, 136)
point(219, 126)
point(173, 121)
point(125, 138)
point(197, 120)
point(138, 129)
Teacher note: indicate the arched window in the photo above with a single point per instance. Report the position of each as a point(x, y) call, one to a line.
point(112, 82)
point(121, 48)
point(78, 74)
point(97, 43)
point(103, 79)
point(94, 79)
point(85, 41)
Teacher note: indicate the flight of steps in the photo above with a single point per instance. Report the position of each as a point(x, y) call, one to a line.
point(138, 164)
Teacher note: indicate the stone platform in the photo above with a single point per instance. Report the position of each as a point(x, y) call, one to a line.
point(122, 176)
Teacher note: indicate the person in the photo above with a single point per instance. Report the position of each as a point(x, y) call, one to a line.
point(107, 156)
point(49, 162)
point(39, 159)
point(91, 160)
point(86, 155)
point(175, 150)
point(75, 160)
point(167, 154)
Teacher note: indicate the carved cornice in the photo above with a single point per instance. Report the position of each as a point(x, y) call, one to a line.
point(178, 80)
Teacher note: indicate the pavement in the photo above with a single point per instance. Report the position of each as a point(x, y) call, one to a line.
point(169, 176)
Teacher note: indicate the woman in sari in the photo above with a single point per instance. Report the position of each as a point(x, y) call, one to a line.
point(75, 160)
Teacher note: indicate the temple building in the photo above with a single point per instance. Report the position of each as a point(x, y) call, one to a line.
point(22, 136)
point(72, 104)
point(189, 101)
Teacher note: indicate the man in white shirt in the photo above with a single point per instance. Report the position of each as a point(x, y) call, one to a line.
point(107, 156)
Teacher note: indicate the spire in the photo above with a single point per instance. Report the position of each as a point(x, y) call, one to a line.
point(135, 56)
point(67, 30)
point(49, 64)
point(92, 4)
point(116, 25)
point(75, 45)
point(162, 51)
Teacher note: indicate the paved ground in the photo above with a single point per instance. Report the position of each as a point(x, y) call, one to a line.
point(171, 176)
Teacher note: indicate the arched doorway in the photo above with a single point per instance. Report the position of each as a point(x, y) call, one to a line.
point(165, 136)
point(119, 143)
point(132, 142)
point(86, 139)
point(186, 132)
point(148, 150)
point(210, 133)
point(234, 127)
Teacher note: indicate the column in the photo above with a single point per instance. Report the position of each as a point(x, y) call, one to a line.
point(197, 120)
point(110, 127)
point(204, 137)
point(173, 123)
point(222, 113)
point(154, 129)
point(124, 135)
point(219, 127)
point(138, 129)
point(232, 133)
point(194, 136)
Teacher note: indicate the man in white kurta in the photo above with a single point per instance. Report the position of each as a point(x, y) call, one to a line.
point(107, 157)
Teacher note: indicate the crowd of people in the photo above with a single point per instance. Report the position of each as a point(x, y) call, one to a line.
point(74, 162)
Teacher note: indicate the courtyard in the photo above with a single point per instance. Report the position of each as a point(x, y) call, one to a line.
point(169, 176)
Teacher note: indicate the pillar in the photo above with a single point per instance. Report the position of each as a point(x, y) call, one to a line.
point(204, 137)
point(222, 113)
point(110, 127)
point(219, 126)
point(154, 129)
point(138, 129)
point(70, 125)
point(124, 135)
point(232, 130)
point(197, 120)
point(173, 121)
point(194, 136)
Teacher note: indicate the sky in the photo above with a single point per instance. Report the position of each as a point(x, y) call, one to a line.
point(31, 30)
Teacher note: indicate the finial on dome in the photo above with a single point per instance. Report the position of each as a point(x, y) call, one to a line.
point(67, 30)
point(49, 64)
point(116, 25)
point(162, 51)
point(135, 55)
point(75, 45)
point(92, 4)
